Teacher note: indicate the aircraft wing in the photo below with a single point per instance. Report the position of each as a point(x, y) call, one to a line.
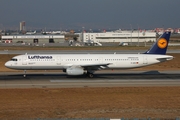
point(91, 66)
point(96, 66)
point(101, 64)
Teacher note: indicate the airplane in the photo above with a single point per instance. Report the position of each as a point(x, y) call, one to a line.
point(92, 43)
point(79, 64)
point(31, 33)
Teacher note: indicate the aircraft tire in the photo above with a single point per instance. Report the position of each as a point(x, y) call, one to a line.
point(24, 76)
point(90, 75)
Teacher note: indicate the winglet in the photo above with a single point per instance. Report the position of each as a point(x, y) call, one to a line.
point(161, 45)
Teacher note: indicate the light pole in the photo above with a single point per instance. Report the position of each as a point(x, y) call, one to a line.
point(138, 35)
point(82, 34)
point(131, 34)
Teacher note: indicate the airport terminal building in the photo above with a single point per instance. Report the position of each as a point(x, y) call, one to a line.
point(123, 36)
point(33, 39)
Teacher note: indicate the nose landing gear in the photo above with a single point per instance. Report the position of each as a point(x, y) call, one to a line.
point(24, 74)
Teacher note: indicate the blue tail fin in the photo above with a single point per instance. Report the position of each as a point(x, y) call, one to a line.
point(161, 45)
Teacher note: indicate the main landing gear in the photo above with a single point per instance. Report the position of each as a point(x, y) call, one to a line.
point(90, 74)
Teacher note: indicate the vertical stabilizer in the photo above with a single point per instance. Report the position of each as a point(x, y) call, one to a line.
point(160, 47)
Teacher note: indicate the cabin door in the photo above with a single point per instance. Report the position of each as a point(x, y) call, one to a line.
point(24, 60)
point(58, 60)
point(145, 60)
point(100, 60)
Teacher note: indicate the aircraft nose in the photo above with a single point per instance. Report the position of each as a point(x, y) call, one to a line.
point(7, 64)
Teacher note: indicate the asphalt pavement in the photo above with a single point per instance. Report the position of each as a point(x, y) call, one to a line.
point(101, 79)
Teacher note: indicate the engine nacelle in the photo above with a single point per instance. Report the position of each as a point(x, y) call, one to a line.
point(74, 71)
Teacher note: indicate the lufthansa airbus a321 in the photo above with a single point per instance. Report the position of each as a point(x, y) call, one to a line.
point(79, 64)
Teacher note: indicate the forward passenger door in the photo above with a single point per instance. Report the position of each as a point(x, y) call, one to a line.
point(24, 60)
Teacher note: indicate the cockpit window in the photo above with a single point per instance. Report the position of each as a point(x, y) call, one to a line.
point(13, 59)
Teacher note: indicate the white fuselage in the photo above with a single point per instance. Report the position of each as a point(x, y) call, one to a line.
point(63, 61)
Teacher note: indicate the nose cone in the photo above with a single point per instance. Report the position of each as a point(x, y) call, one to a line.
point(7, 64)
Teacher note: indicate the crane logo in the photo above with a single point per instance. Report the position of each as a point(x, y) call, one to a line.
point(162, 43)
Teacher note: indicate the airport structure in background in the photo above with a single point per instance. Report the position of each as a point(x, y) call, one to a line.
point(23, 27)
point(121, 36)
point(104, 38)
point(36, 39)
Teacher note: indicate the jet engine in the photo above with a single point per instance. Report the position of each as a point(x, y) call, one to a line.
point(74, 71)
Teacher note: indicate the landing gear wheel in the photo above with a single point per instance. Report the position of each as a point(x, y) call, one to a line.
point(24, 74)
point(90, 75)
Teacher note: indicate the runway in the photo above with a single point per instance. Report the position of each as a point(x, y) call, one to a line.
point(101, 79)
